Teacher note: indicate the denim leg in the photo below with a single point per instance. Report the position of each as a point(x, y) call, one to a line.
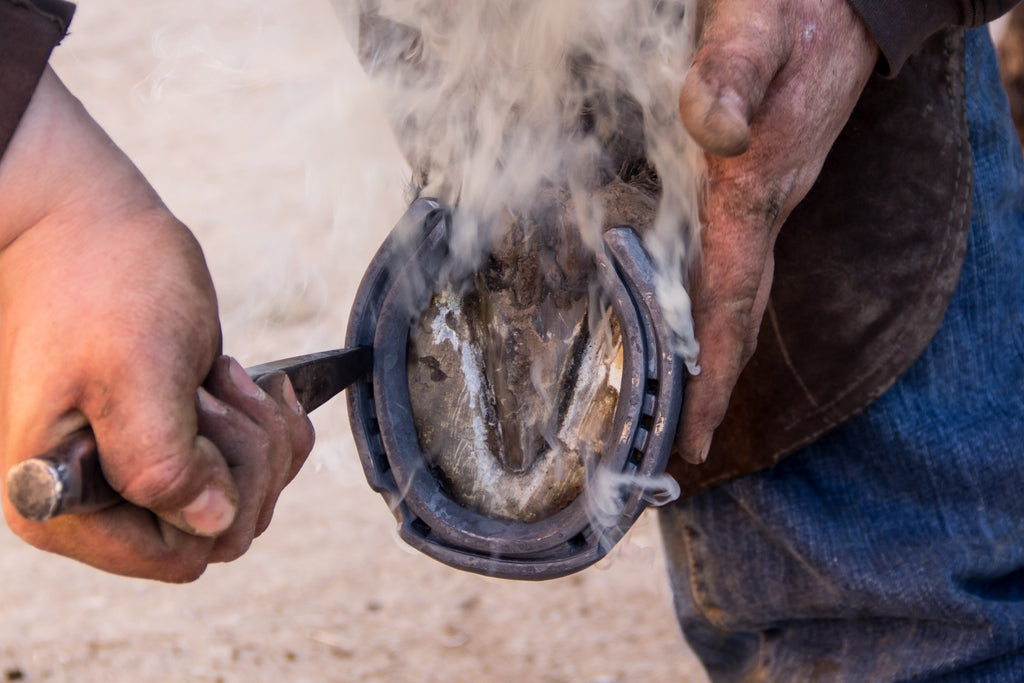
point(893, 548)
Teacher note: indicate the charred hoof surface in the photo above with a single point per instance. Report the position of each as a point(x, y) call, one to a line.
point(517, 415)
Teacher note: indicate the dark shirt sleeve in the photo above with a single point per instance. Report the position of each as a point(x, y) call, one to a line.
point(29, 30)
point(901, 26)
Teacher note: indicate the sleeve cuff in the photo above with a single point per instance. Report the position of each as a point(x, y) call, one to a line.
point(900, 28)
point(29, 30)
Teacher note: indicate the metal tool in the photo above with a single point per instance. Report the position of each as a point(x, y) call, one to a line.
point(68, 479)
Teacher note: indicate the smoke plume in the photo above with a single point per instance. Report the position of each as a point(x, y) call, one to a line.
point(509, 109)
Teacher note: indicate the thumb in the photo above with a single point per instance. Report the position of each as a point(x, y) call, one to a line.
point(152, 455)
point(742, 46)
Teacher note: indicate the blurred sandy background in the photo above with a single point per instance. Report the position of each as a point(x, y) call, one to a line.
point(254, 123)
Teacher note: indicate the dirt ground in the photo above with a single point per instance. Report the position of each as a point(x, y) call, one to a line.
point(254, 123)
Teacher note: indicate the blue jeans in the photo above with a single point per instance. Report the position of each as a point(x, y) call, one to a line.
point(893, 548)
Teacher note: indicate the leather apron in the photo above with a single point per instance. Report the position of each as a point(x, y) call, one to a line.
point(864, 268)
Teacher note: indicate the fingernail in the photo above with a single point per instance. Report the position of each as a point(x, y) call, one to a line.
point(715, 118)
point(288, 391)
point(210, 513)
point(704, 451)
point(730, 101)
point(698, 457)
point(209, 404)
point(240, 378)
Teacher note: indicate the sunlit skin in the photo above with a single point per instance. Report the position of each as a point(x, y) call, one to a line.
point(108, 316)
point(772, 85)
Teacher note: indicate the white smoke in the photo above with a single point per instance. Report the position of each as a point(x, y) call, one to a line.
point(609, 492)
point(514, 107)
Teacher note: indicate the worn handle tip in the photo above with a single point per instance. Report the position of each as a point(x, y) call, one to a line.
point(65, 480)
point(35, 489)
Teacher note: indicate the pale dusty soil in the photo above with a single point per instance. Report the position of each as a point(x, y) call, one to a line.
point(259, 132)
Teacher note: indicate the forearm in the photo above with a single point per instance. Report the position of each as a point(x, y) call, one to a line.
point(901, 27)
point(60, 162)
point(109, 321)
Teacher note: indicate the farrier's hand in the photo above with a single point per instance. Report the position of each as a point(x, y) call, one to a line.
point(772, 85)
point(108, 317)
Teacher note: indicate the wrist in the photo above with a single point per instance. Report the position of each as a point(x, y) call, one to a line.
point(60, 162)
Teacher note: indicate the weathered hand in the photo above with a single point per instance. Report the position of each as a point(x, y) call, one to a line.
point(772, 85)
point(108, 317)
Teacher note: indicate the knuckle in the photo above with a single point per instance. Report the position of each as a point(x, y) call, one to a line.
point(231, 547)
point(729, 306)
point(744, 58)
point(751, 194)
point(286, 439)
point(160, 483)
point(179, 558)
point(261, 439)
point(737, 314)
point(303, 439)
point(267, 425)
point(276, 425)
point(740, 72)
point(265, 518)
point(183, 571)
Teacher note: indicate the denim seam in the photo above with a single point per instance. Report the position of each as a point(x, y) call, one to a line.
point(700, 603)
point(700, 600)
